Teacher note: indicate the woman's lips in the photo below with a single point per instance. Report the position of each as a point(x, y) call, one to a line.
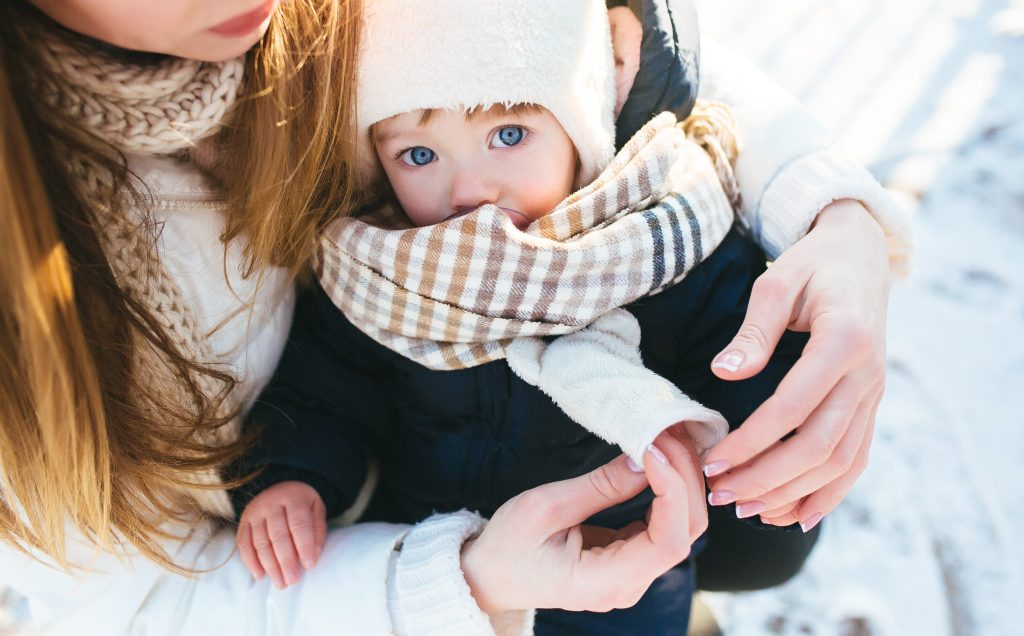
point(246, 23)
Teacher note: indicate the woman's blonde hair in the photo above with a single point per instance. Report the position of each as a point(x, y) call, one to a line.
point(82, 437)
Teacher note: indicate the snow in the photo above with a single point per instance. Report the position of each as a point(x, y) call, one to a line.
point(930, 95)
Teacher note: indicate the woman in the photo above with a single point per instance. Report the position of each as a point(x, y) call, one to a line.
point(121, 400)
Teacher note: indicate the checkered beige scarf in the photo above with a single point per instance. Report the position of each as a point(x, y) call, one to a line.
point(455, 294)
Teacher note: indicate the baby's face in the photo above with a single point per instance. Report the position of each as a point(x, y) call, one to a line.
point(451, 164)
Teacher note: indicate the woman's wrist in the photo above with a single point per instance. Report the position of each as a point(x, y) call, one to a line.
point(796, 197)
point(430, 593)
point(859, 224)
point(847, 212)
point(473, 571)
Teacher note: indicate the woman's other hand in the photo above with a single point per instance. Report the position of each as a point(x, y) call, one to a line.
point(833, 283)
point(534, 552)
point(681, 451)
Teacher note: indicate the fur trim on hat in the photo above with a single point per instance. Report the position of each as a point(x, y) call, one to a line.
point(464, 54)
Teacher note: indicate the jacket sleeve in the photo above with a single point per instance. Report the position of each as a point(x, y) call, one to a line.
point(326, 412)
point(598, 378)
point(789, 167)
point(364, 568)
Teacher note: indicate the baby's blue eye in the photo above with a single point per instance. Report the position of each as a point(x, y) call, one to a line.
point(508, 136)
point(418, 156)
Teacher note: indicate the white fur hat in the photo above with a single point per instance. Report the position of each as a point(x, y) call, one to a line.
point(461, 54)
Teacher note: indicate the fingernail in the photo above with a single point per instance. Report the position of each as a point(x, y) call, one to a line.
point(728, 360)
point(633, 466)
point(749, 509)
point(716, 468)
point(308, 563)
point(721, 497)
point(658, 455)
point(812, 521)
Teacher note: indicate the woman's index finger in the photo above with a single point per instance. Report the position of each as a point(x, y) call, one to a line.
point(824, 362)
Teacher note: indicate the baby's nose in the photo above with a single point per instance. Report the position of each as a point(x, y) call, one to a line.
point(473, 188)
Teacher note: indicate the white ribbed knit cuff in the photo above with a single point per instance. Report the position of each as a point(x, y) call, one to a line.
point(428, 593)
point(803, 188)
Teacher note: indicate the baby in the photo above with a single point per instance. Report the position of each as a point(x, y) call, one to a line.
point(430, 344)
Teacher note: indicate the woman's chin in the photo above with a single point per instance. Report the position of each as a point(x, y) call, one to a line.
point(211, 47)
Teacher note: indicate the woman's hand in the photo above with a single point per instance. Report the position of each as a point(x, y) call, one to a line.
point(834, 283)
point(534, 552)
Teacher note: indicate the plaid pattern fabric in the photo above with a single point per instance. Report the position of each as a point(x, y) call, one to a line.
point(455, 294)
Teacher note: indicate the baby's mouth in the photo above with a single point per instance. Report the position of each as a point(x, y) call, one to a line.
point(520, 220)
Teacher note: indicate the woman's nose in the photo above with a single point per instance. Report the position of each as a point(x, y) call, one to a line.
point(473, 187)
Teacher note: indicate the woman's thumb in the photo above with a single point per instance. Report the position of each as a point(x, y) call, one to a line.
point(575, 500)
point(765, 322)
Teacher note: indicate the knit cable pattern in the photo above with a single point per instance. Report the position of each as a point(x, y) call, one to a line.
point(162, 108)
point(159, 108)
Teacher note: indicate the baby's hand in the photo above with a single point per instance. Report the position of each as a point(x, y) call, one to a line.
point(282, 526)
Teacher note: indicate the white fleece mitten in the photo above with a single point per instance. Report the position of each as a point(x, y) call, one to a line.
point(596, 376)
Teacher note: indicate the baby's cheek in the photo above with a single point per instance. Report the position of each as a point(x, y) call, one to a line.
point(420, 203)
point(547, 195)
point(545, 190)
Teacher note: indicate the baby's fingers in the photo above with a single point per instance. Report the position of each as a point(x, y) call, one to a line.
point(247, 552)
point(265, 553)
point(284, 547)
point(308, 527)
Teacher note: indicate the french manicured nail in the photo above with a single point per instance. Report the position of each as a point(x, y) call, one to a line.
point(811, 521)
point(716, 468)
point(308, 563)
point(658, 455)
point(728, 360)
point(721, 497)
point(633, 466)
point(749, 509)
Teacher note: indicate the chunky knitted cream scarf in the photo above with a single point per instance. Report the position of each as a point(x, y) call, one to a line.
point(164, 108)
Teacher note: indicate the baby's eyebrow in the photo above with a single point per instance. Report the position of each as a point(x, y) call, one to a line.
point(384, 136)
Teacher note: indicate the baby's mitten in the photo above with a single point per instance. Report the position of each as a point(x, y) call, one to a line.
point(596, 376)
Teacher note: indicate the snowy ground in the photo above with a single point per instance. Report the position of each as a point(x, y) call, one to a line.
point(930, 95)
